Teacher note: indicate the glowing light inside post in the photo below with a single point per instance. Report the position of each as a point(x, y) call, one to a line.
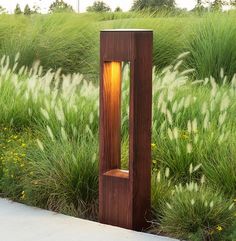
point(112, 81)
point(112, 96)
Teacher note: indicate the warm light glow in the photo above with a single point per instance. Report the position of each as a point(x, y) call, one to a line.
point(112, 98)
point(112, 81)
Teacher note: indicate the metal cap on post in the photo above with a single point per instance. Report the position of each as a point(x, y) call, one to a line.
point(125, 196)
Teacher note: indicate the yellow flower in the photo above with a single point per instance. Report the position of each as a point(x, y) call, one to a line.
point(23, 145)
point(219, 228)
point(153, 145)
point(184, 135)
point(22, 195)
point(154, 161)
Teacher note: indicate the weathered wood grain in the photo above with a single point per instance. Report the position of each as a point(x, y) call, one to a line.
point(125, 197)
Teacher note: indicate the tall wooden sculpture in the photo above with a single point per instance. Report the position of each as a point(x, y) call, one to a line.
point(125, 196)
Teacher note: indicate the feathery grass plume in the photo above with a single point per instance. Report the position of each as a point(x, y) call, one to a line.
point(66, 171)
point(189, 148)
point(167, 172)
point(197, 167)
point(204, 108)
point(63, 134)
point(49, 130)
point(175, 133)
point(169, 117)
point(60, 114)
point(222, 118)
point(170, 134)
point(189, 126)
point(45, 113)
point(191, 169)
point(194, 125)
point(175, 107)
point(40, 144)
point(224, 103)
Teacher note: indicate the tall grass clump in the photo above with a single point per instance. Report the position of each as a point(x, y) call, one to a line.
point(212, 45)
point(193, 142)
point(58, 40)
point(64, 176)
point(71, 41)
point(193, 123)
point(195, 213)
point(58, 169)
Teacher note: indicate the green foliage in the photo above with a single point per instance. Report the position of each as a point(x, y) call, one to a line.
point(55, 116)
point(43, 38)
point(71, 41)
point(62, 176)
point(153, 4)
point(232, 235)
point(217, 5)
point(233, 3)
point(60, 6)
point(49, 146)
point(197, 213)
point(162, 188)
point(211, 48)
point(56, 166)
point(2, 10)
point(231, 232)
point(199, 7)
point(118, 9)
point(99, 6)
point(17, 9)
point(13, 161)
point(27, 10)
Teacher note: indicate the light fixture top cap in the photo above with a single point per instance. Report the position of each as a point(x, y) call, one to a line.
point(127, 30)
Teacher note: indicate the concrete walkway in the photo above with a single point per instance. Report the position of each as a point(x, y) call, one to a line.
point(22, 223)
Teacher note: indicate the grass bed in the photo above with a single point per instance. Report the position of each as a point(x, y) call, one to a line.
point(49, 147)
point(71, 41)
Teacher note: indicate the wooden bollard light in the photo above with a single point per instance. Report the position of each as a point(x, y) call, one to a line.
point(125, 196)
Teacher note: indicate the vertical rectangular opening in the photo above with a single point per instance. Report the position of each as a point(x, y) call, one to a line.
point(112, 115)
point(116, 93)
point(125, 102)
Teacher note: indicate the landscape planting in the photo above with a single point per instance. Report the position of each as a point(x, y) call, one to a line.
point(49, 105)
point(71, 42)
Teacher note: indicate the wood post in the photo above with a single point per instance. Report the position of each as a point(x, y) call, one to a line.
point(125, 196)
